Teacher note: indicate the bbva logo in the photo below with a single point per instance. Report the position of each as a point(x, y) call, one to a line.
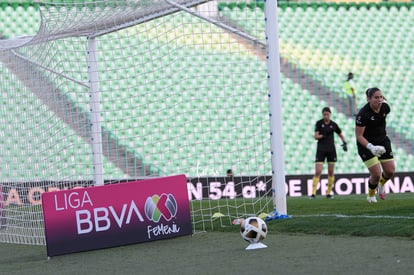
point(157, 206)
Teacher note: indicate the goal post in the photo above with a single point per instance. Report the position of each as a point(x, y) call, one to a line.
point(113, 91)
point(275, 107)
point(95, 107)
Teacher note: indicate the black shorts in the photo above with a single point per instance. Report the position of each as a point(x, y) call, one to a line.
point(329, 155)
point(366, 154)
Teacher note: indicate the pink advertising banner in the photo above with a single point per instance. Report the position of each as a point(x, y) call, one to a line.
point(112, 215)
point(2, 213)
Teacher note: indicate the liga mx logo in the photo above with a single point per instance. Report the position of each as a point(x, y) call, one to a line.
point(160, 206)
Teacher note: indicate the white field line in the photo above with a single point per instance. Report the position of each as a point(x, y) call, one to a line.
point(330, 215)
point(354, 216)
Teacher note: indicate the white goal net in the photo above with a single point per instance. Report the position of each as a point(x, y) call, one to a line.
point(113, 91)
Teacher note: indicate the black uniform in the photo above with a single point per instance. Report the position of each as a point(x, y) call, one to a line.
point(375, 130)
point(326, 146)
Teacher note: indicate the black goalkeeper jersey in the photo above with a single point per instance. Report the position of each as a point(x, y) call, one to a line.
point(374, 123)
point(327, 143)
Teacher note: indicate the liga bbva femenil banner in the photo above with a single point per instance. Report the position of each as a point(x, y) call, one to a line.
point(112, 215)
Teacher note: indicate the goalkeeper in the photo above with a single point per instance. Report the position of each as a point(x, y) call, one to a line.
point(374, 146)
point(324, 134)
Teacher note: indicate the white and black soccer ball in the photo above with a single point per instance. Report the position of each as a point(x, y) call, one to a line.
point(253, 230)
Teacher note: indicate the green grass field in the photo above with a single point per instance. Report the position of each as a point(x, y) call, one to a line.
point(345, 235)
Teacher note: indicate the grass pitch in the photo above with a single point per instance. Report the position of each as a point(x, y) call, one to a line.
point(343, 215)
point(345, 235)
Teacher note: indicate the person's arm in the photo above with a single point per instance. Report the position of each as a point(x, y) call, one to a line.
point(375, 150)
point(359, 133)
point(318, 136)
point(351, 84)
point(341, 135)
point(344, 144)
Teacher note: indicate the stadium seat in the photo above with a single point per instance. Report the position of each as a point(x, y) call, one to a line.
point(322, 52)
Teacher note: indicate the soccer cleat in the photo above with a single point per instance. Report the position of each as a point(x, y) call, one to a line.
point(381, 191)
point(372, 199)
point(312, 197)
point(329, 196)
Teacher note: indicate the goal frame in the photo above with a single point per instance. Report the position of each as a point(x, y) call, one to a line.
point(92, 85)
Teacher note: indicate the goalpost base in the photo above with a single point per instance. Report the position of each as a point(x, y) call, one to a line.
point(254, 246)
point(276, 216)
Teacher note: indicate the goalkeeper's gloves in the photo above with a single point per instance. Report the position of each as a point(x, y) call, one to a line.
point(344, 146)
point(376, 150)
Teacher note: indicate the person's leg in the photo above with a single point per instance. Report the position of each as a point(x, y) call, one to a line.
point(355, 106)
point(374, 176)
point(316, 177)
point(351, 105)
point(388, 170)
point(331, 178)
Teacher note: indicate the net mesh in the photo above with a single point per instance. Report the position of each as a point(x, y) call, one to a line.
point(178, 95)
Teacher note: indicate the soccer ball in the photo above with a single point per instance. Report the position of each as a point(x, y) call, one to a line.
point(253, 230)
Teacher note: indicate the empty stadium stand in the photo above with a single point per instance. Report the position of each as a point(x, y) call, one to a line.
point(315, 43)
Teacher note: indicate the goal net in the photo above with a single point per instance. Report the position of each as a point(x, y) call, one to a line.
point(113, 91)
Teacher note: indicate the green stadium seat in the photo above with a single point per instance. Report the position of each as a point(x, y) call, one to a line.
point(326, 55)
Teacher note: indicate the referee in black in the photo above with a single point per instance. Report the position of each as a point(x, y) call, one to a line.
point(374, 146)
point(325, 150)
